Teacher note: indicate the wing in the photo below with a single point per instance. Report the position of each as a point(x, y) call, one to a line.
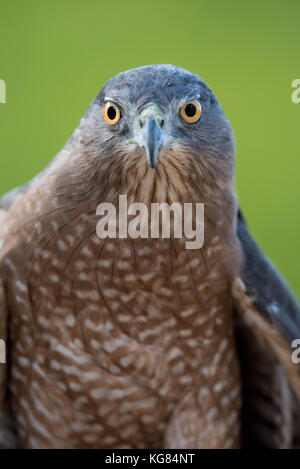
point(8, 438)
point(271, 295)
point(3, 329)
point(267, 320)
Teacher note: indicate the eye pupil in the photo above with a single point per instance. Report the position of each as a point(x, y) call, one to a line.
point(111, 112)
point(190, 110)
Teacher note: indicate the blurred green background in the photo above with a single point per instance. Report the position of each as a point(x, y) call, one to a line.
point(56, 55)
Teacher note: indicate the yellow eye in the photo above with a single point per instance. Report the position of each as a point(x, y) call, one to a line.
point(191, 111)
point(111, 113)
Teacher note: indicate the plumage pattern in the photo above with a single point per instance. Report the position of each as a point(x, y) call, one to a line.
point(131, 343)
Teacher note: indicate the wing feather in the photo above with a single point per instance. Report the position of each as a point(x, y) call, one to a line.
point(271, 295)
point(267, 321)
point(8, 437)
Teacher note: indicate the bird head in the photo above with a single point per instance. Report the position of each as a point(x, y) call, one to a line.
point(162, 119)
point(160, 106)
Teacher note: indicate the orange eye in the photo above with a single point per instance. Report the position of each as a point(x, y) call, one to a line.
point(111, 113)
point(191, 111)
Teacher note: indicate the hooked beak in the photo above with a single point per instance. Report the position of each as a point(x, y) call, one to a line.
point(151, 135)
point(152, 139)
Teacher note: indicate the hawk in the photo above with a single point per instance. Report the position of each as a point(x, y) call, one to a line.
point(140, 342)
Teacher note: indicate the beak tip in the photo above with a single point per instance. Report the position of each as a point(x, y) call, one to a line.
point(152, 162)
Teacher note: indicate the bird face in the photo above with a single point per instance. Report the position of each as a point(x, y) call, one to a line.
point(155, 109)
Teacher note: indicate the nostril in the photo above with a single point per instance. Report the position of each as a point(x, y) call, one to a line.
point(162, 123)
point(141, 124)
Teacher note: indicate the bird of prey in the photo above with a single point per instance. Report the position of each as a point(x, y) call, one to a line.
point(140, 342)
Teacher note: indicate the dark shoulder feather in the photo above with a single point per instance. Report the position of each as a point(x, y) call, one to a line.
point(272, 297)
